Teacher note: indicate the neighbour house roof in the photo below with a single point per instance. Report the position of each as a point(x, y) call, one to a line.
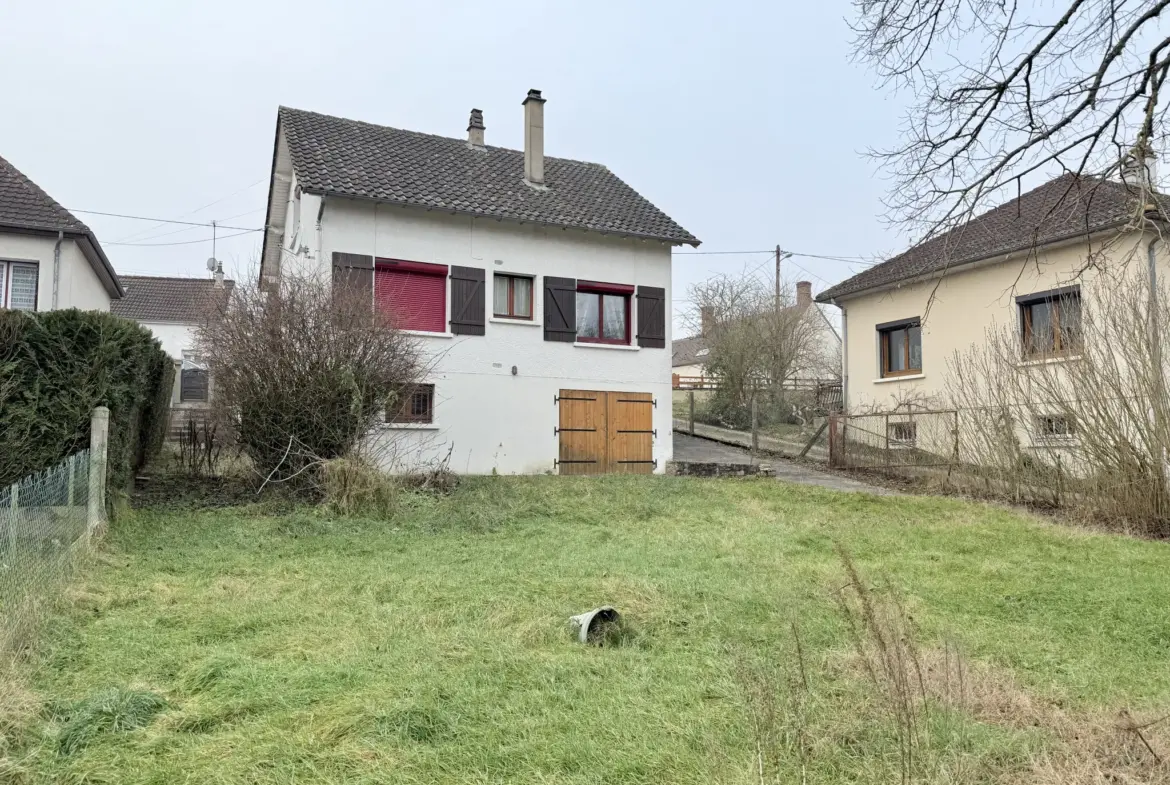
point(25, 207)
point(688, 351)
point(158, 299)
point(339, 157)
point(1066, 208)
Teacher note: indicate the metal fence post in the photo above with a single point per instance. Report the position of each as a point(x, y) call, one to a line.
point(691, 396)
point(99, 431)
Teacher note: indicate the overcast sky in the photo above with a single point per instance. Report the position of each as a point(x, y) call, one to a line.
point(744, 121)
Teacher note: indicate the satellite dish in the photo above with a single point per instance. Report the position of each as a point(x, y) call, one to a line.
point(211, 263)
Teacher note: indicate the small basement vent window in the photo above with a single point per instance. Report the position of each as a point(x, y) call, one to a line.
point(902, 434)
point(418, 405)
point(1055, 427)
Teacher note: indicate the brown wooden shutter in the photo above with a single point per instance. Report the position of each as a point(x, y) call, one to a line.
point(467, 300)
point(560, 309)
point(354, 270)
point(652, 317)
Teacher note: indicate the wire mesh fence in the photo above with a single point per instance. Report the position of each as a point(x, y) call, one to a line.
point(895, 439)
point(45, 524)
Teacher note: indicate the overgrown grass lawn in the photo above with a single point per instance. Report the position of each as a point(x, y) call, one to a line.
point(434, 648)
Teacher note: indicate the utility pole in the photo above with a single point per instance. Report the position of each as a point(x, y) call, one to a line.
point(777, 277)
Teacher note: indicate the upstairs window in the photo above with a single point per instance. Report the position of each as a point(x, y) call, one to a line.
point(901, 347)
point(603, 312)
point(512, 296)
point(18, 286)
point(1051, 323)
point(412, 294)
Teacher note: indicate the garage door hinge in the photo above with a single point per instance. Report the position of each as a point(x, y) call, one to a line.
point(557, 430)
point(655, 462)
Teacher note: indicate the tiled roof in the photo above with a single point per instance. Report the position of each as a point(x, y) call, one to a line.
point(341, 157)
point(1061, 209)
point(157, 299)
point(25, 205)
point(685, 351)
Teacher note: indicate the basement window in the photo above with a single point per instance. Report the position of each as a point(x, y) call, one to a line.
point(1055, 428)
point(902, 434)
point(418, 405)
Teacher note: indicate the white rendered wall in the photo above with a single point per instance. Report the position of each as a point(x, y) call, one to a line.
point(79, 286)
point(491, 419)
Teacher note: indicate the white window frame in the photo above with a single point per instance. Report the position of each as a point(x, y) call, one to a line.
point(6, 266)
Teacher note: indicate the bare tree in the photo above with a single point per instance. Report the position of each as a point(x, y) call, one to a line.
point(303, 371)
point(756, 342)
point(1003, 90)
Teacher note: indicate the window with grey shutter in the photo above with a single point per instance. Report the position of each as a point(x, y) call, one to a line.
point(560, 309)
point(652, 317)
point(468, 298)
point(192, 378)
point(354, 271)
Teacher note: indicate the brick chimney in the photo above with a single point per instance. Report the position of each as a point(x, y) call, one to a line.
point(534, 138)
point(706, 319)
point(803, 294)
point(475, 128)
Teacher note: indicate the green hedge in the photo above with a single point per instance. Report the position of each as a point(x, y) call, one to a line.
point(55, 367)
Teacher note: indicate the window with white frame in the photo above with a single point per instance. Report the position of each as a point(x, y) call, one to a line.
point(18, 286)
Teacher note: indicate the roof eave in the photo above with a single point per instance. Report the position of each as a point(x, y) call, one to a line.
point(90, 248)
point(690, 240)
point(829, 297)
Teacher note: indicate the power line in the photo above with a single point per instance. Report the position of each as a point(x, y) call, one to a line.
point(190, 242)
point(715, 253)
point(160, 220)
point(133, 235)
point(180, 231)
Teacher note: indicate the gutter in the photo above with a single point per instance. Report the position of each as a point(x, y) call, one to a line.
point(57, 267)
point(694, 242)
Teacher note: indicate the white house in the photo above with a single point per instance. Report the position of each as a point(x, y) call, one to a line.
point(539, 287)
point(173, 310)
point(48, 258)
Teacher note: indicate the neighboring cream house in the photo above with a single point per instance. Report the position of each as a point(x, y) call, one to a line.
point(48, 258)
point(173, 309)
point(539, 288)
point(1019, 265)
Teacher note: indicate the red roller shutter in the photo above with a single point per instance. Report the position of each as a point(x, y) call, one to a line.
point(413, 295)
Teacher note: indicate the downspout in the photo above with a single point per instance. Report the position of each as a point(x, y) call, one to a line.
point(844, 359)
point(57, 267)
point(1158, 405)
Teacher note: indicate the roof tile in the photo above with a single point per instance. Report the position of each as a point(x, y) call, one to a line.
point(335, 156)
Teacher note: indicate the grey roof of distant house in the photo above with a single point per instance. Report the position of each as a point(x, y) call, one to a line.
point(335, 156)
point(685, 351)
point(25, 206)
point(151, 298)
point(1063, 209)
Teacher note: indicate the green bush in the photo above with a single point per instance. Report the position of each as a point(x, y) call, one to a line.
point(55, 367)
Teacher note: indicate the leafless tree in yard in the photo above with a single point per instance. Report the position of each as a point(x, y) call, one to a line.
point(1005, 93)
point(757, 342)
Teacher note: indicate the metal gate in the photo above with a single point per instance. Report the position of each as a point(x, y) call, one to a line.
point(606, 432)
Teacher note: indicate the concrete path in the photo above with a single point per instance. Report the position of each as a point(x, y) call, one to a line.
point(693, 448)
point(787, 447)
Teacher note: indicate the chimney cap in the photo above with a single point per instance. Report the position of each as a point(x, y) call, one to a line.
point(533, 95)
point(476, 120)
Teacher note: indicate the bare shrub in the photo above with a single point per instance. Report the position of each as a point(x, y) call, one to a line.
point(200, 448)
point(1087, 429)
point(304, 371)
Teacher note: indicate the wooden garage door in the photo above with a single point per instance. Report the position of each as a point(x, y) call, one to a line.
point(606, 432)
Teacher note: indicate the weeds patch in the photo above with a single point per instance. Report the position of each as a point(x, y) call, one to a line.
point(110, 711)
